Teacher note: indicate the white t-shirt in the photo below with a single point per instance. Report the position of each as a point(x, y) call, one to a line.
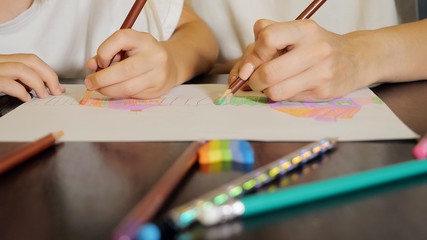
point(66, 33)
point(232, 20)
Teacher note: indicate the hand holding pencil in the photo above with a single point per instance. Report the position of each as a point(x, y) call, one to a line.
point(148, 66)
point(145, 73)
point(301, 61)
point(118, 54)
point(271, 41)
point(131, 64)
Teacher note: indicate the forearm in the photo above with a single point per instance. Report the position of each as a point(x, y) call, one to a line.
point(393, 54)
point(192, 47)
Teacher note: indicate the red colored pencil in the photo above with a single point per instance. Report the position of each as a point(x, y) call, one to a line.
point(29, 150)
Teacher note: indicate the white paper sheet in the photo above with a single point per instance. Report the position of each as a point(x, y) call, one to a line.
point(188, 113)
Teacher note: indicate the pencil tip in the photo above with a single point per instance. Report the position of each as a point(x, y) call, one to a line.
point(58, 135)
point(85, 98)
point(224, 98)
point(221, 100)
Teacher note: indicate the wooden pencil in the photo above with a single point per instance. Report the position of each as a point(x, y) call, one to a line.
point(238, 82)
point(128, 23)
point(152, 202)
point(29, 150)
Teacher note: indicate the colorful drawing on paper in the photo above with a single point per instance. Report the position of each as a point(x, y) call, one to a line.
point(340, 108)
point(247, 100)
point(134, 104)
point(124, 104)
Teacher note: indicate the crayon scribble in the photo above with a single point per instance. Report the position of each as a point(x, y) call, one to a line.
point(125, 104)
point(340, 108)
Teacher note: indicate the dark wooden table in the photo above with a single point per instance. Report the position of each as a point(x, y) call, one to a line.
point(80, 190)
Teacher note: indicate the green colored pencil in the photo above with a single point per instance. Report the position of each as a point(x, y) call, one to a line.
point(262, 203)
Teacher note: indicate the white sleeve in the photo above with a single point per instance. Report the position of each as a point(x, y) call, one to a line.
point(162, 17)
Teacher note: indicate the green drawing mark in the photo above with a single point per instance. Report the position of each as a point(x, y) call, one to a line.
point(377, 100)
point(220, 101)
point(293, 103)
point(344, 103)
point(322, 103)
point(248, 100)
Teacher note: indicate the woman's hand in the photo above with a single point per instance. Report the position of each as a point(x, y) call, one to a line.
point(300, 61)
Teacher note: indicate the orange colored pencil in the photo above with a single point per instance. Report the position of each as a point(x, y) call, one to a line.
point(128, 23)
point(29, 150)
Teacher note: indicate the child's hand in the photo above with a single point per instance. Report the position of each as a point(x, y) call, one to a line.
point(301, 61)
point(22, 72)
point(148, 71)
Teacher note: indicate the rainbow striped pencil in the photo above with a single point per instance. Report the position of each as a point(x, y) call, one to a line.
point(185, 215)
point(267, 202)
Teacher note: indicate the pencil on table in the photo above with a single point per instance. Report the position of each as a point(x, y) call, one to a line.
point(290, 197)
point(29, 150)
point(185, 215)
point(128, 23)
point(153, 201)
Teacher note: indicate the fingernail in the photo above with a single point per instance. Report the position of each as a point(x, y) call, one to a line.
point(61, 88)
point(246, 71)
point(45, 94)
point(58, 91)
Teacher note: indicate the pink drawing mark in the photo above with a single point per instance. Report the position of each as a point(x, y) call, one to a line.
point(131, 104)
point(340, 108)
